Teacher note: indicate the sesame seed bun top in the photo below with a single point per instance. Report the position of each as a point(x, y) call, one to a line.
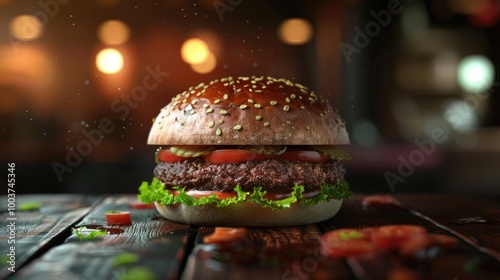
point(248, 111)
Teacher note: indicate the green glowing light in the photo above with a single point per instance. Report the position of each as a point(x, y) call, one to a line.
point(475, 74)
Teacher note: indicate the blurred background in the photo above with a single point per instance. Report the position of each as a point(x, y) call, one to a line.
point(416, 81)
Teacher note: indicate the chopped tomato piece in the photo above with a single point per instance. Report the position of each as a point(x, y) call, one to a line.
point(234, 156)
point(393, 236)
point(379, 200)
point(168, 156)
point(344, 249)
point(342, 243)
point(139, 205)
point(118, 218)
point(309, 156)
point(339, 235)
point(225, 235)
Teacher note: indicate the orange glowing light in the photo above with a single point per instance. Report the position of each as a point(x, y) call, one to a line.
point(26, 27)
point(113, 32)
point(109, 61)
point(206, 66)
point(195, 51)
point(295, 31)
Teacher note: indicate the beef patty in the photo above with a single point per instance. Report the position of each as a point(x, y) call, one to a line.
point(274, 175)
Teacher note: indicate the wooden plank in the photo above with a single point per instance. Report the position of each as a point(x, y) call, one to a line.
point(270, 253)
point(445, 265)
point(36, 231)
point(158, 244)
point(477, 221)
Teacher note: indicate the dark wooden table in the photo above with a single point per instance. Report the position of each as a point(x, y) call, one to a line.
point(46, 248)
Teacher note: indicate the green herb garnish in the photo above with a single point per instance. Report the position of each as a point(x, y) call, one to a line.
point(137, 272)
point(29, 206)
point(124, 258)
point(84, 233)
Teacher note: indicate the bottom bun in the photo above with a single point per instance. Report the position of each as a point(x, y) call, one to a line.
point(249, 215)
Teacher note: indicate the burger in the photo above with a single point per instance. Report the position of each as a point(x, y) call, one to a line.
point(248, 151)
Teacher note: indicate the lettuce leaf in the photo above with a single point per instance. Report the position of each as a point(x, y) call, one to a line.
point(155, 191)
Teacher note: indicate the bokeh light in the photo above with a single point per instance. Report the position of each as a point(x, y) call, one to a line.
point(206, 66)
point(109, 61)
point(295, 31)
point(461, 115)
point(26, 27)
point(113, 32)
point(476, 73)
point(195, 51)
point(365, 133)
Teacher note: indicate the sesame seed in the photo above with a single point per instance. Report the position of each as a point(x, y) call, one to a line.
point(205, 105)
point(184, 101)
point(303, 90)
point(216, 101)
point(192, 112)
point(209, 110)
point(258, 118)
point(287, 100)
point(226, 84)
point(221, 121)
point(307, 127)
point(302, 107)
point(244, 78)
point(243, 107)
point(266, 124)
point(254, 86)
point(250, 90)
point(223, 112)
point(260, 78)
point(286, 108)
point(199, 93)
point(293, 96)
point(258, 90)
point(253, 81)
point(264, 86)
point(211, 124)
point(224, 79)
point(237, 127)
point(273, 102)
point(218, 132)
point(225, 96)
point(256, 105)
point(238, 90)
point(288, 122)
point(250, 101)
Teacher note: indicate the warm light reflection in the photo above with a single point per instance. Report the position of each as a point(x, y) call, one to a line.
point(206, 66)
point(194, 51)
point(295, 31)
point(26, 27)
point(113, 32)
point(109, 61)
point(476, 73)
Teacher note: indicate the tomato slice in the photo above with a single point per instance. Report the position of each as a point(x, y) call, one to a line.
point(224, 235)
point(118, 218)
point(309, 156)
point(421, 242)
point(342, 243)
point(139, 205)
point(344, 249)
point(234, 156)
point(167, 156)
point(393, 236)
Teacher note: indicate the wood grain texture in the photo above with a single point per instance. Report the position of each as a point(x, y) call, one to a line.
point(269, 253)
point(159, 245)
point(36, 231)
point(477, 221)
point(176, 251)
